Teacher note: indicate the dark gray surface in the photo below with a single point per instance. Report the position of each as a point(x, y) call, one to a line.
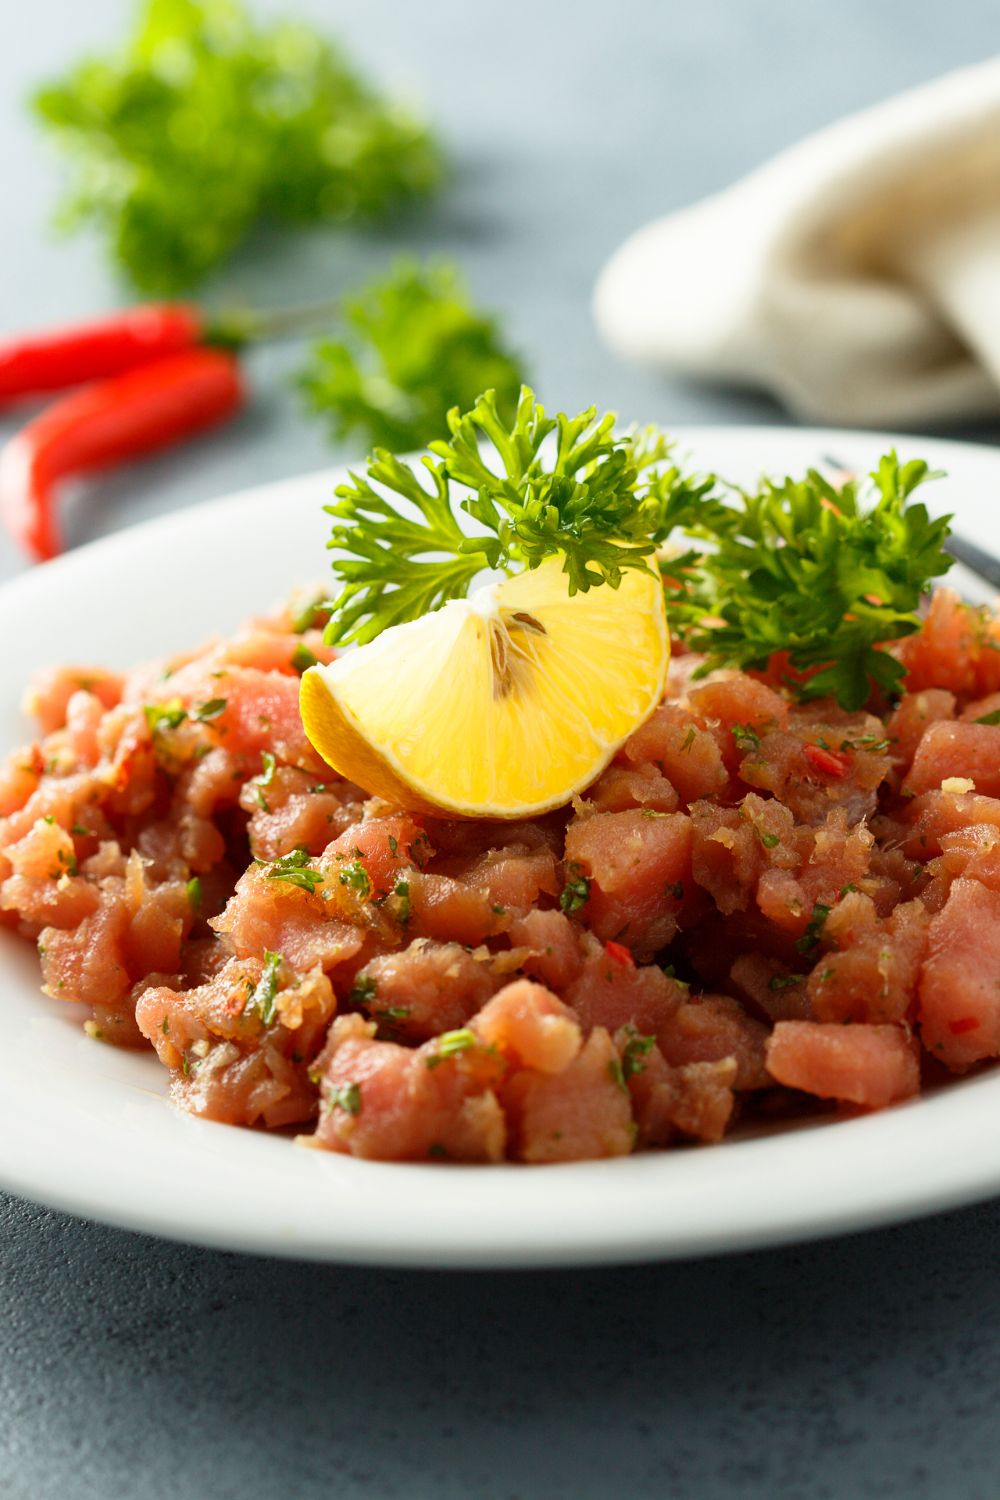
point(865, 1367)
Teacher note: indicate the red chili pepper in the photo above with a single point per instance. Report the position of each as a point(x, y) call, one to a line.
point(619, 954)
point(33, 363)
point(826, 761)
point(106, 424)
point(962, 1025)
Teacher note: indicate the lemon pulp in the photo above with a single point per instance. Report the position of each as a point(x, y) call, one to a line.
point(500, 705)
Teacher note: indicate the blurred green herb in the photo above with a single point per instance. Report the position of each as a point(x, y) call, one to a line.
point(414, 346)
point(206, 124)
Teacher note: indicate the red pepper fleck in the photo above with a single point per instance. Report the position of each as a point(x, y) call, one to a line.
point(963, 1024)
point(828, 762)
point(619, 954)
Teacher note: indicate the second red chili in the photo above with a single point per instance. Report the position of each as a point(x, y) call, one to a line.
point(106, 424)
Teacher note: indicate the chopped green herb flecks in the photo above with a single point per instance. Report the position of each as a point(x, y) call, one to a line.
point(266, 777)
point(575, 893)
point(161, 716)
point(362, 990)
point(356, 877)
point(265, 991)
point(810, 938)
point(450, 1044)
point(206, 712)
point(194, 894)
point(346, 1097)
point(745, 737)
point(295, 869)
point(637, 1048)
point(783, 981)
point(617, 1074)
point(400, 902)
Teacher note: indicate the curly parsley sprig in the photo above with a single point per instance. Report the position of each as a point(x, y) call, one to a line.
point(601, 501)
point(826, 574)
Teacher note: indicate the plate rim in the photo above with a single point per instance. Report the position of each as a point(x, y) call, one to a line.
point(430, 1247)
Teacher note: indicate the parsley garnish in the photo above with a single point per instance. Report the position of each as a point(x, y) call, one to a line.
point(264, 993)
point(993, 718)
point(825, 574)
point(600, 501)
point(414, 348)
point(206, 124)
point(295, 869)
point(194, 893)
point(783, 981)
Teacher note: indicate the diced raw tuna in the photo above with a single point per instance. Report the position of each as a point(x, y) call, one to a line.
point(273, 915)
point(916, 712)
point(733, 846)
point(959, 989)
point(550, 946)
point(530, 1027)
point(969, 753)
point(872, 976)
point(380, 1100)
point(955, 648)
point(622, 787)
point(695, 1100)
point(289, 809)
point(48, 697)
point(612, 994)
point(639, 868)
point(576, 1115)
point(682, 749)
point(513, 878)
point(425, 988)
point(870, 1066)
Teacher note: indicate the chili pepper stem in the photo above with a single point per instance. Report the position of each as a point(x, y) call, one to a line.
point(242, 326)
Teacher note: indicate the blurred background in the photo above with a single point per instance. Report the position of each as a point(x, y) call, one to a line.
point(130, 1367)
point(565, 128)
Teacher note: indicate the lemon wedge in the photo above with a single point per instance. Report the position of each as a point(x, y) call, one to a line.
point(501, 705)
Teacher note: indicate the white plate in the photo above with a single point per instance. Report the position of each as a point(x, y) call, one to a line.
point(88, 1129)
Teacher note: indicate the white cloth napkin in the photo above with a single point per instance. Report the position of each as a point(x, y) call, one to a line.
point(856, 275)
